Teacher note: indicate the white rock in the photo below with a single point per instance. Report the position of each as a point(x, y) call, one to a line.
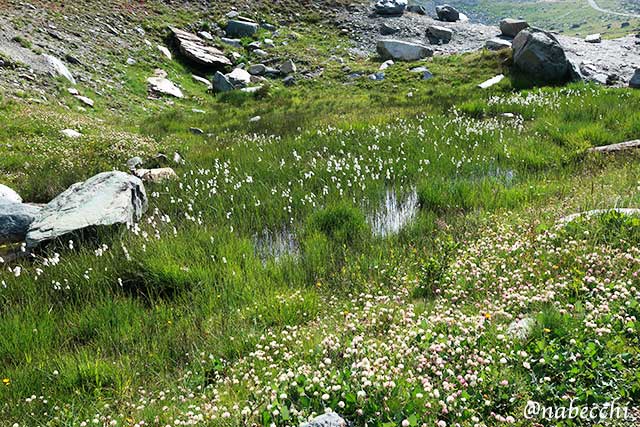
point(9, 194)
point(71, 133)
point(386, 64)
point(492, 81)
point(165, 52)
point(58, 68)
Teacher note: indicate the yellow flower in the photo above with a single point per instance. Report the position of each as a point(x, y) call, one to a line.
point(487, 316)
point(6, 381)
point(547, 330)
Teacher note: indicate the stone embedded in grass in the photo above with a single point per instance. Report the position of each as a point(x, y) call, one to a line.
point(236, 28)
point(202, 80)
point(221, 83)
point(288, 67)
point(85, 100)
point(165, 52)
point(492, 81)
point(156, 175)
point(159, 84)
point(8, 194)
point(402, 51)
point(327, 420)
point(105, 199)
point(70, 133)
point(511, 27)
point(15, 219)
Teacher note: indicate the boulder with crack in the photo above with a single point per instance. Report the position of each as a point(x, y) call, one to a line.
point(105, 199)
point(196, 50)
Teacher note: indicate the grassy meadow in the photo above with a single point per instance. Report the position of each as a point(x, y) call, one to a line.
point(259, 290)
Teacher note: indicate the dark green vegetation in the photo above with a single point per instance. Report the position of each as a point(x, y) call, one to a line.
point(182, 303)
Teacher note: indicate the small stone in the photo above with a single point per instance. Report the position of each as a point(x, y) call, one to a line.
point(165, 52)
point(85, 100)
point(134, 163)
point(221, 83)
point(593, 38)
point(70, 133)
point(386, 64)
point(255, 119)
point(288, 67)
point(156, 176)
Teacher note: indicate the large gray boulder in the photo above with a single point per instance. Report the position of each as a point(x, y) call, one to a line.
point(402, 51)
point(15, 219)
point(511, 27)
point(447, 13)
point(106, 199)
point(9, 195)
point(635, 80)
point(327, 420)
point(541, 56)
point(194, 49)
point(241, 28)
point(391, 7)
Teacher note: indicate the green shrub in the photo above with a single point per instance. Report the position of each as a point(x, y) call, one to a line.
point(341, 223)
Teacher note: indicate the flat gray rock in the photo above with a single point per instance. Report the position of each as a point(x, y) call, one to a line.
point(196, 50)
point(15, 219)
point(402, 51)
point(106, 199)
